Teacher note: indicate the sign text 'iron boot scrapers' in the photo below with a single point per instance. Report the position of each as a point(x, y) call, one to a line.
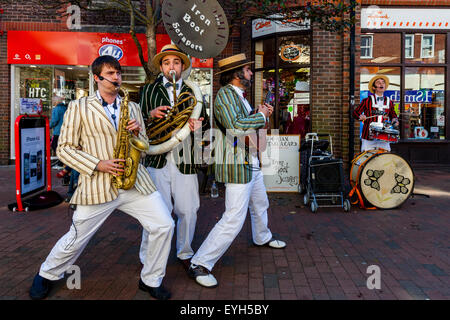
point(198, 27)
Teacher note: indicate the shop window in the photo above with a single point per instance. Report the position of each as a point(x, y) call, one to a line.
point(409, 46)
point(424, 116)
point(33, 90)
point(70, 83)
point(385, 47)
point(431, 46)
point(366, 47)
point(294, 101)
point(427, 46)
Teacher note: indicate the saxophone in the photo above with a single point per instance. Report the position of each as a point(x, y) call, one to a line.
point(128, 147)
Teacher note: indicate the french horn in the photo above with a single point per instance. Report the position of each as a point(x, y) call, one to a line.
point(166, 133)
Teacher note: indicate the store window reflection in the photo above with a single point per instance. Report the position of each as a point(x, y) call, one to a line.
point(70, 84)
point(424, 115)
point(381, 47)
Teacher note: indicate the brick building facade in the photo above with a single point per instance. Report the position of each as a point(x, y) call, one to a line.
point(328, 67)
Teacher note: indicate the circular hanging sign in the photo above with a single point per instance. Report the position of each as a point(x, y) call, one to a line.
point(290, 52)
point(198, 27)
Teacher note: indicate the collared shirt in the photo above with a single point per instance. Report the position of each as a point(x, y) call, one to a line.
point(169, 89)
point(379, 102)
point(109, 109)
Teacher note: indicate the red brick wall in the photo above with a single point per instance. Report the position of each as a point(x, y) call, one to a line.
point(327, 86)
point(5, 112)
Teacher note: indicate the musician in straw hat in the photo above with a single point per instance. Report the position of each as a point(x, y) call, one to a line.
point(238, 169)
point(174, 173)
point(87, 141)
point(370, 107)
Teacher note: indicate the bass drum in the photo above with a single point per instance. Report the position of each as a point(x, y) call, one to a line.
point(384, 179)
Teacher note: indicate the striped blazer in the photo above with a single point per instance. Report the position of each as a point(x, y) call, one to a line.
point(366, 108)
point(231, 164)
point(155, 95)
point(88, 136)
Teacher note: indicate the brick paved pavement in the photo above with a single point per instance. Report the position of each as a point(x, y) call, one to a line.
point(327, 256)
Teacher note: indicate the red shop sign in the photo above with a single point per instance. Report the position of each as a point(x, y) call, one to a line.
point(75, 48)
point(202, 63)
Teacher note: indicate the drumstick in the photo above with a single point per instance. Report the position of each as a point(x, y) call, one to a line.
point(372, 116)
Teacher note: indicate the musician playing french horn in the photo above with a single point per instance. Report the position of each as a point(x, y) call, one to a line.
point(174, 171)
point(88, 143)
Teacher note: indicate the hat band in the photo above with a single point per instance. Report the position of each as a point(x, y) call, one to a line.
point(234, 64)
point(171, 49)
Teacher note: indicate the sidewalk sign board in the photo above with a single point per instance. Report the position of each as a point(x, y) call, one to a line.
point(281, 169)
point(33, 172)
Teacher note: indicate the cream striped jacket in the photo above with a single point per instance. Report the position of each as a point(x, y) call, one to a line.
point(88, 136)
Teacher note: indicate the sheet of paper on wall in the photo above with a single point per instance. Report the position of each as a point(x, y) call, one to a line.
point(30, 106)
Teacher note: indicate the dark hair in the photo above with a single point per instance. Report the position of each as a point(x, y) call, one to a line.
point(97, 65)
point(228, 76)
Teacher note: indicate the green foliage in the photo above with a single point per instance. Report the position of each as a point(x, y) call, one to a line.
point(327, 15)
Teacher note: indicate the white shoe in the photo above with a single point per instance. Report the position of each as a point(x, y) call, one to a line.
point(273, 243)
point(202, 276)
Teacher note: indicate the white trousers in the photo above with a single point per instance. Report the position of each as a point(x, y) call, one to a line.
point(374, 144)
point(183, 188)
point(151, 212)
point(238, 198)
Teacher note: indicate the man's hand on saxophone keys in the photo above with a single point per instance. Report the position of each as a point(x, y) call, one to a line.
point(134, 127)
point(113, 166)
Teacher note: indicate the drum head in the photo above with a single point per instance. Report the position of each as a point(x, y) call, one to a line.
point(386, 180)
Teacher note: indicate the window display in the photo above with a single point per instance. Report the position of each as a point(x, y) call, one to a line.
point(424, 103)
point(282, 79)
point(419, 95)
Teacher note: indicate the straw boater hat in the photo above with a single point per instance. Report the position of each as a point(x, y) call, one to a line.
point(233, 62)
point(171, 49)
point(375, 78)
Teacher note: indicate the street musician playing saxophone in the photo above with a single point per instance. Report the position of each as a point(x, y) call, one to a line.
point(93, 130)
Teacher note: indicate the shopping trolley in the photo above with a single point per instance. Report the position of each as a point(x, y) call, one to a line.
point(324, 185)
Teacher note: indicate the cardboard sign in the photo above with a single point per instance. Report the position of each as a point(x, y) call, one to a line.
point(281, 163)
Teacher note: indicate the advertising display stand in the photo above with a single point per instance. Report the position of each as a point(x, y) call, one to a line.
point(33, 171)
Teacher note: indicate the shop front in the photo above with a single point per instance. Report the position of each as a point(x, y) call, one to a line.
point(411, 47)
point(53, 67)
